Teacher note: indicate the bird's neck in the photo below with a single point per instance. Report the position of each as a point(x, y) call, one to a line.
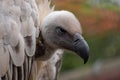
point(49, 51)
point(44, 53)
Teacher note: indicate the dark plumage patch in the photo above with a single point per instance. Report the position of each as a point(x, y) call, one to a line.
point(40, 47)
point(19, 73)
point(26, 68)
point(58, 66)
point(3, 78)
point(17, 47)
point(14, 72)
point(40, 50)
point(20, 19)
point(28, 40)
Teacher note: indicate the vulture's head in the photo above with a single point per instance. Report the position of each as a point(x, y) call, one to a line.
point(61, 30)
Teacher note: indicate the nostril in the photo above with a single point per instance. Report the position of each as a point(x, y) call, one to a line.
point(76, 40)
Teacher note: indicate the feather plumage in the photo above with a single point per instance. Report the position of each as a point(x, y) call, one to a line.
point(18, 31)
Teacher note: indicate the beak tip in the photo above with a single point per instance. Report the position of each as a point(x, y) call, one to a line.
point(86, 58)
point(85, 55)
point(85, 61)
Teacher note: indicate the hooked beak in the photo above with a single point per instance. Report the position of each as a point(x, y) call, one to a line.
point(81, 47)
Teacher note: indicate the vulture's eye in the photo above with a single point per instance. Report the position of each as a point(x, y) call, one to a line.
point(60, 31)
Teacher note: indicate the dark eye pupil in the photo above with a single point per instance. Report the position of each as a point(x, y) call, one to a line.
point(60, 31)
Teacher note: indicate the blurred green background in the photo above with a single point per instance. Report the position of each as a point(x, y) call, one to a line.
point(100, 21)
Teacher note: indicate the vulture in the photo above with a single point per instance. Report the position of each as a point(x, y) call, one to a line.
point(33, 37)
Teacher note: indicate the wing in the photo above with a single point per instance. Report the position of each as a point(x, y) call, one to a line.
point(29, 26)
point(11, 41)
point(18, 32)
